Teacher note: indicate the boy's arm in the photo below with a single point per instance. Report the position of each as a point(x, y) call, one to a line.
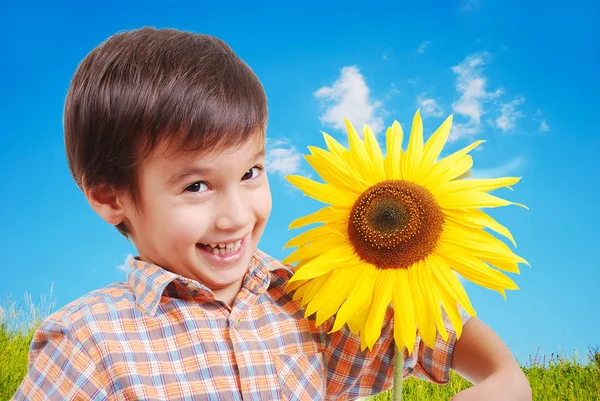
point(59, 368)
point(481, 357)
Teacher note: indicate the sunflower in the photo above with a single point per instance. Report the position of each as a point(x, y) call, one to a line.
point(396, 229)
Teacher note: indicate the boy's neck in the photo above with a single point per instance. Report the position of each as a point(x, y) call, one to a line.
point(227, 295)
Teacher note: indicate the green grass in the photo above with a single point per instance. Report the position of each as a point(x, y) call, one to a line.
point(556, 378)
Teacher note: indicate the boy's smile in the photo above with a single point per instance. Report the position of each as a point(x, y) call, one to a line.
point(202, 214)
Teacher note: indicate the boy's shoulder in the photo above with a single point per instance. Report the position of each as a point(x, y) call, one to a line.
point(96, 302)
point(122, 298)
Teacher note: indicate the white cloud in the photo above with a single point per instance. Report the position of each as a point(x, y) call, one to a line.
point(460, 130)
point(349, 97)
point(471, 85)
point(537, 116)
point(429, 107)
point(282, 157)
point(126, 266)
point(509, 114)
point(423, 46)
point(510, 168)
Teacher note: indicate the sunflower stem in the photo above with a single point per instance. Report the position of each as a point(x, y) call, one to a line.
point(398, 369)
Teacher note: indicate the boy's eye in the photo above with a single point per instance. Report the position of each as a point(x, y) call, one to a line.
point(252, 173)
point(197, 187)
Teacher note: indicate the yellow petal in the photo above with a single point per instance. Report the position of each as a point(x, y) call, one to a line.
point(313, 249)
point(436, 143)
point(433, 297)
point(325, 262)
point(483, 185)
point(404, 313)
point(334, 146)
point(451, 308)
point(374, 152)
point(359, 296)
point(327, 214)
point(472, 200)
point(359, 156)
point(448, 280)
point(425, 321)
point(321, 192)
point(477, 271)
point(414, 152)
point(393, 158)
point(334, 172)
point(481, 244)
point(478, 219)
point(312, 287)
point(338, 229)
point(331, 296)
point(439, 172)
point(382, 297)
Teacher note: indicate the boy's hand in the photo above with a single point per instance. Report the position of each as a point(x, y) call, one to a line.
point(481, 357)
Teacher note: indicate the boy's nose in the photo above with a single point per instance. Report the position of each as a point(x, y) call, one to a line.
point(233, 213)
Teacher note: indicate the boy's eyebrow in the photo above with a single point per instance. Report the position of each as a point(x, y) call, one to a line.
point(196, 171)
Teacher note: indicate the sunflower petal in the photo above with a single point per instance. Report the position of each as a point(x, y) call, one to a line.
point(425, 320)
point(393, 158)
point(439, 172)
point(359, 296)
point(334, 146)
point(481, 244)
point(478, 219)
point(382, 297)
point(448, 280)
point(325, 262)
point(475, 270)
point(337, 228)
point(374, 152)
point(321, 192)
point(472, 200)
point(436, 143)
point(451, 308)
point(359, 156)
point(483, 185)
point(312, 288)
point(335, 172)
point(313, 249)
point(433, 297)
point(404, 313)
point(328, 301)
point(327, 214)
point(414, 151)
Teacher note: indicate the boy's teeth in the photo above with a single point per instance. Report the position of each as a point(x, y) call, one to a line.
point(224, 249)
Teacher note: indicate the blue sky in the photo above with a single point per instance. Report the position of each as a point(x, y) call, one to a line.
point(522, 77)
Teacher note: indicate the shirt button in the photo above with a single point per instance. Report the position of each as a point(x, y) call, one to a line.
point(235, 325)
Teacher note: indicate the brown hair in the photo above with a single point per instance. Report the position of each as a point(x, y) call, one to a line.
point(150, 86)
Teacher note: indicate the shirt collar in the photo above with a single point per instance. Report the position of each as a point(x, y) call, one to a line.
point(150, 282)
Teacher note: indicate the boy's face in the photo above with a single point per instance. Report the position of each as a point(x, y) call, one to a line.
point(188, 202)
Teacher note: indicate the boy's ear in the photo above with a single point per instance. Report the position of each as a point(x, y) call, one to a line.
point(107, 202)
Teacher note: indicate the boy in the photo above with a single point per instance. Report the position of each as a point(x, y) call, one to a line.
point(165, 134)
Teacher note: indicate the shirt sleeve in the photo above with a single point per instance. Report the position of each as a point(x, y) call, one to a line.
point(59, 368)
point(353, 373)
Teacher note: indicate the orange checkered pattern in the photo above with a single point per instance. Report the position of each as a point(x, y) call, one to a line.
point(161, 336)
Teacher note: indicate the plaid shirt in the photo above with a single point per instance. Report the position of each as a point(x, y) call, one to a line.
point(161, 336)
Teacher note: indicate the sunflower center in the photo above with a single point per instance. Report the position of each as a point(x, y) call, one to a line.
point(394, 224)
